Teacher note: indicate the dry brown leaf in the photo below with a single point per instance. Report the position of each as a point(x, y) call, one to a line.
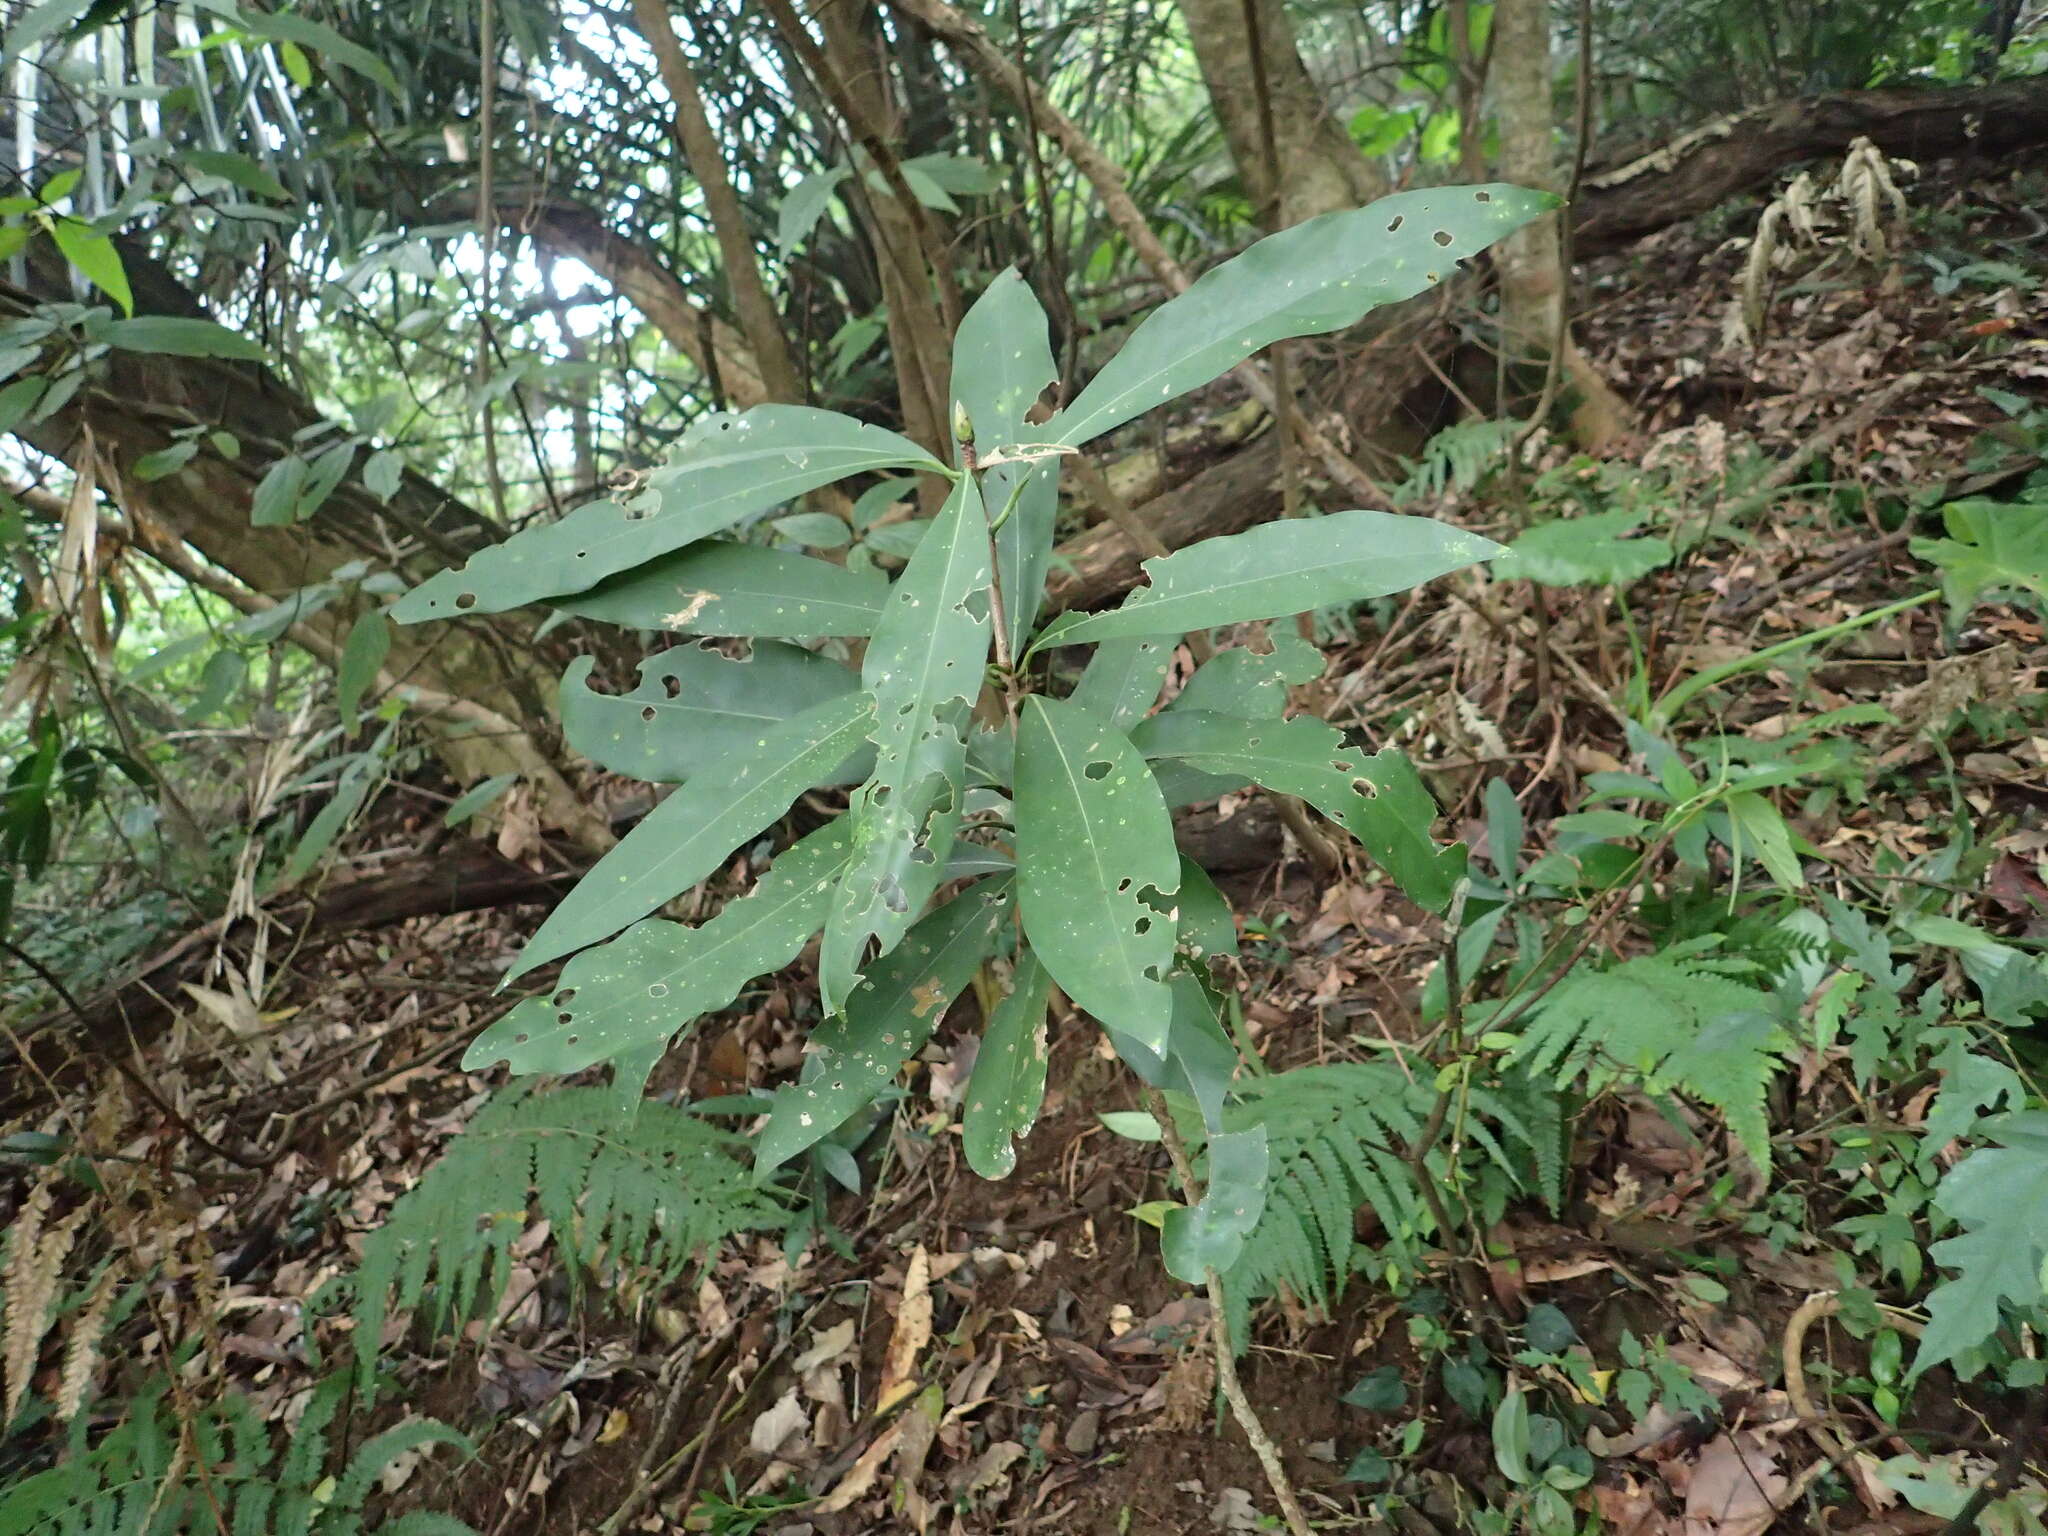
point(913, 1331)
point(828, 1345)
point(860, 1477)
point(775, 1425)
point(1735, 1487)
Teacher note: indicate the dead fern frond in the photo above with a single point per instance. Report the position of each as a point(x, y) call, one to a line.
point(82, 1349)
point(26, 1311)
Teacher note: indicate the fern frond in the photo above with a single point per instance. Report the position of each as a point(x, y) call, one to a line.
point(1676, 1021)
point(657, 1190)
point(1457, 458)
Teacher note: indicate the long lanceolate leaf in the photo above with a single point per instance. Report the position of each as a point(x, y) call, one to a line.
point(924, 668)
point(1095, 853)
point(727, 468)
point(1378, 798)
point(1316, 277)
point(722, 588)
point(889, 1016)
point(1008, 1085)
point(1002, 361)
point(657, 977)
point(1279, 568)
point(687, 836)
point(694, 708)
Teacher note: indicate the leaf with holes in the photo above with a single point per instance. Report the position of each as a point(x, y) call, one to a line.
point(889, 1016)
point(1279, 568)
point(1249, 685)
point(1002, 361)
point(695, 708)
point(1007, 1088)
point(1378, 799)
point(1094, 852)
point(924, 667)
point(721, 588)
point(1319, 276)
point(1121, 682)
point(1210, 1235)
point(726, 469)
point(687, 836)
point(658, 977)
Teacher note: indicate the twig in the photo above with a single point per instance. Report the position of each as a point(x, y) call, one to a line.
point(2007, 1472)
point(1226, 1359)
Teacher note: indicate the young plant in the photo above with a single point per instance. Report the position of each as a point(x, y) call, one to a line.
point(994, 824)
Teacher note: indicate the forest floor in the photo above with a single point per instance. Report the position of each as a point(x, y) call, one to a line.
point(1061, 1380)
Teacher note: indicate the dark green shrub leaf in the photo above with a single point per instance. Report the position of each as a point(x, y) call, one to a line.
point(1094, 848)
point(1380, 1391)
point(477, 798)
point(1008, 1084)
point(1583, 551)
point(1210, 1235)
point(658, 977)
point(1121, 682)
point(1319, 276)
point(889, 1015)
point(721, 588)
point(695, 708)
point(691, 833)
point(362, 654)
point(1548, 1329)
point(1277, 569)
point(727, 468)
point(181, 337)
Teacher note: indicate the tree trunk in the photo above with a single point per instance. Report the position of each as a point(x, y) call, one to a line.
point(478, 682)
point(1321, 170)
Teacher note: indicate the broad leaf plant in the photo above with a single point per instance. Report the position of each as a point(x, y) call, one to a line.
point(994, 828)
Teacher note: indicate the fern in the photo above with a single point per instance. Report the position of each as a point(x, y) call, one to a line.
point(1457, 458)
point(655, 1189)
point(1337, 1138)
point(1678, 1020)
point(136, 1479)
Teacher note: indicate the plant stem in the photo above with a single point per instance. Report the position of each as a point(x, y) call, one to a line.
point(1241, 1407)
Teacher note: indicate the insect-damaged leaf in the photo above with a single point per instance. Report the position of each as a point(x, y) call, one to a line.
point(658, 977)
point(727, 468)
point(1008, 1086)
point(1378, 799)
point(1122, 679)
point(1210, 1235)
point(688, 835)
point(924, 668)
point(721, 588)
point(1094, 850)
point(1279, 568)
point(1002, 360)
point(694, 708)
point(889, 1016)
point(1318, 276)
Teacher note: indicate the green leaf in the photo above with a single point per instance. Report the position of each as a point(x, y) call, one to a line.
point(383, 473)
point(727, 468)
point(1210, 1235)
point(178, 336)
point(924, 668)
point(167, 460)
point(477, 798)
point(1008, 1085)
point(1511, 1437)
point(276, 502)
point(1990, 546)
point(1765, 837)
point(221, 676)
point(94, 255)
point(1002, 361)
point(19, 398)
point(694, 708)
point(819, 530)
point(1583, 551)
point(721, 588)
point(1206, 929)
point(888, 1018)
point(29, 27)
point(1378, 799)
point(1380, 1391)
point(805, 204)
point(368, 643)
point(1318, 276)
point(964, 175)
point(301, 31)
point(1094, 851)
point(658, 977)
point(1121, 682)
point(686, 837)
point(1504, 829)
point(1999, 1195)
point(240, 170)
point(1279, 568)
point(1250, 686)
point(363, 774)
